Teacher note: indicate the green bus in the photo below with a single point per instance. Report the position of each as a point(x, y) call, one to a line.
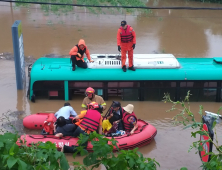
point(54, 78)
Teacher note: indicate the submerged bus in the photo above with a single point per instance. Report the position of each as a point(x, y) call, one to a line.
point(155, 75)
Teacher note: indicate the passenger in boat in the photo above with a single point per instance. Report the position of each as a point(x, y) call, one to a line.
point(64, 129)
point(92, 97)
point(129, 119)
point(77, 55)
point(114, 118)
point(91, 121)
point(66, 111)
point(126, 42)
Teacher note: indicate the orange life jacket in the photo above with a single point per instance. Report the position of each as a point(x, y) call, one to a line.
point(91, 120)
point(49, 124)
point(126, 35)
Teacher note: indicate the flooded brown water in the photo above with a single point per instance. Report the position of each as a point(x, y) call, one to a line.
point(184, 33)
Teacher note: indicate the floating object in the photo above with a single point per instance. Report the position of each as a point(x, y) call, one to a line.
point(35, 121)
point(141, 137)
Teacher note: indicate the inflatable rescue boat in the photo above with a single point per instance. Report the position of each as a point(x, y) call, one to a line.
point(144, 134)
point(36, 121)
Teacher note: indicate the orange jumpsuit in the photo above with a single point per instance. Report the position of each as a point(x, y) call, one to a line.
point(126, 45)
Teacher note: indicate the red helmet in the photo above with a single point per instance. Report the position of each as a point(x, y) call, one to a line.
point(90, 90)
point(93, 106)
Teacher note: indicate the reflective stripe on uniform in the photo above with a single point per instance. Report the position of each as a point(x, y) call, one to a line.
point(84, 105)
point(103, 104)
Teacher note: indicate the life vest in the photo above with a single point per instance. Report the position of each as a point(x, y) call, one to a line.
point(91, 120)
point(126, 35)
point(128, 126)
point(80, 51)
point(49, 124)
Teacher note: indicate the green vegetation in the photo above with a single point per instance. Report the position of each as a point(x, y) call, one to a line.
point(36, 157)
point(45, 155)
point(187, 118)
point(103, 155)
point(212, 1)
point(64, 9)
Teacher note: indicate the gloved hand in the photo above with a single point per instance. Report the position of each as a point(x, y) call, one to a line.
point(134, 45)
point(119, 48)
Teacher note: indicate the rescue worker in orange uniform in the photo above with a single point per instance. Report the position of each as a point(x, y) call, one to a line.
point(126, 42)
point(77, 55)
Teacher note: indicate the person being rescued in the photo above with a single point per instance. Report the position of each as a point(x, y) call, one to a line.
point(77, 55)
point(66, 111)
point(113, 122)
point(63, 129)
point(91, 121)
point(129, 119)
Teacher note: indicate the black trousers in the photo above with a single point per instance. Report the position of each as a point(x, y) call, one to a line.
point(79, 63)
point(72, 149)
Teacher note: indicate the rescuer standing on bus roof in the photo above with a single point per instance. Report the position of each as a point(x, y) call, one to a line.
point(126, 42)
point(77, 55)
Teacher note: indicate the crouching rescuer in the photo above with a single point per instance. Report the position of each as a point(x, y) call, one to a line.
point(77, 55)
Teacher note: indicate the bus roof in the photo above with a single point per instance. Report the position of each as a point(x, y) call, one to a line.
point(57, 69)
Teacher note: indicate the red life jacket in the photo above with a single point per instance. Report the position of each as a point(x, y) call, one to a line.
point(128, 126)
point(49, 124)
point(126, 35)
point(91, 120)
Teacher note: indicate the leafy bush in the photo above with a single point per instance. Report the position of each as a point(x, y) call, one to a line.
point(60, 9)
point(36, 157)
point(212, 1)
point(103, 155)
point(187, 118)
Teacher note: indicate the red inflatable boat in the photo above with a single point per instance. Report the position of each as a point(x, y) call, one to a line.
point(35, 121)
point(142, 136)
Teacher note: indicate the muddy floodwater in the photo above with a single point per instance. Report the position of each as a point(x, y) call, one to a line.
point(183, 33)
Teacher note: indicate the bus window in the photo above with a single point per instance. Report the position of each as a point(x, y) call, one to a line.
point(123, 84)
point(48, 85)
point(208, 94)
point(187, 84)
point(210, 84)
point(157, 94)
point(154, 90)
point(199, 90)
point(74, 84)
point(130, 94)
point(49, 89)
point(124, 94)
point(159, 84)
